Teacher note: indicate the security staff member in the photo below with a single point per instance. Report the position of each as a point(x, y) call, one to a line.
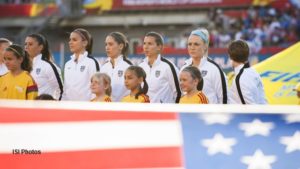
point(116, 46)
point(81, 67)
point(214, 79)
point(162, 75)
point(247, 87)
point(44, 72)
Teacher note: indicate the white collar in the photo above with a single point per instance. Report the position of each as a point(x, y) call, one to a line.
point(37, 58)
point(238, 69)
point(202, 61)
point(156, 62)
point(116, 60)
point(81, 56)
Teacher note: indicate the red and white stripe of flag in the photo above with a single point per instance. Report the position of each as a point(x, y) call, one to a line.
point(88, 139)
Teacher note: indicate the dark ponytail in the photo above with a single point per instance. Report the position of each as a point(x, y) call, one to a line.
point(140, 73)
point(85, 35)
point(196, 74)
point(120, 38)
point(20, 53)
point(144, 90)
point(46, 54)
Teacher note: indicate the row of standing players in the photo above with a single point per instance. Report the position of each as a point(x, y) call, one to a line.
point(155, 80)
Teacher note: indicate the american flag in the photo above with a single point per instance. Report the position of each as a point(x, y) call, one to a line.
point(77, 135)
point(241, 141)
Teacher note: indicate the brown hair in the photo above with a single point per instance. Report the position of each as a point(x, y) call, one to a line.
point(41, 40)
point(44, 97)
point(140, 73)
point(158, 38)
point(120, 38)
point(85, 35)
point(196, 74)
point(238, 51)
point(19, 52)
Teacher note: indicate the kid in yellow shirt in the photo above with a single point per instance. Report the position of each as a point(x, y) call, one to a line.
point(101, 87)
point(191, 83)
point(134, 77)
point(17, 83)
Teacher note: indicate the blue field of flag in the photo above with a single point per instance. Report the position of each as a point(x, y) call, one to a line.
point(241, 141)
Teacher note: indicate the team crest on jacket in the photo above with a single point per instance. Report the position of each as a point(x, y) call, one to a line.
point(157, 73)
point(204, 73)
point(82, 68)
point(120, 73)
point(38, 71)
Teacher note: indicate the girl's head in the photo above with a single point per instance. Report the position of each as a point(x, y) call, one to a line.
point(198, 42)
point(134, 77)
point(190, 79)
point(116, 44)
point(16, 58)
point(101, 84)
point(153, 44)
point(37, 44)
point(80, 41)
point(4, 43)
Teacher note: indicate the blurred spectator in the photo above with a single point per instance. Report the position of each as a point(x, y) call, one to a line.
point(224, 39)
point(259, 25)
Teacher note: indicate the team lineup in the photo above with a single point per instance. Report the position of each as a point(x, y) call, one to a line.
point(30, 73)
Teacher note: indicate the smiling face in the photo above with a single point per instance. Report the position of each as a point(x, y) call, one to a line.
point(112, 48)
point(32, 47)
point(187, 83)
point(12, 62)
point(150, 47)
point(196, 47)
point(77, 44)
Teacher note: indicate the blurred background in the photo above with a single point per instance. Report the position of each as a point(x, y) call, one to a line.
point(269, 26)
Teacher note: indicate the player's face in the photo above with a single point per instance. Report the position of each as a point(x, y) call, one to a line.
point(11, 61)
point(131, 80)
point(97, 86)
point(76, 43)
point(196, 47)
point(150, 47)
point(112, 48)
point(32, 47)
point(3, 46)
point(187, 83)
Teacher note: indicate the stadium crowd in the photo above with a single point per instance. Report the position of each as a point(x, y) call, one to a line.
point(259, 26)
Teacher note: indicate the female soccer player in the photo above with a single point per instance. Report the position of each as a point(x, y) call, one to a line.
point(162, 75)
point(116, 46)
point(101, 87)
point(191, 83)
point(215, 82)
point(247, 87)
point(17, 83)
point(44, 72)
point(81, 67)
point(135, 78)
